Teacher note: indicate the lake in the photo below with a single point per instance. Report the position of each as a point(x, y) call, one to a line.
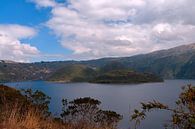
point(117, 97)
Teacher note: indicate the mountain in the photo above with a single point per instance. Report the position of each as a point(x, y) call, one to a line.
point(172, 63)
point(178, 62)
point(7, 61)
point(29, 71)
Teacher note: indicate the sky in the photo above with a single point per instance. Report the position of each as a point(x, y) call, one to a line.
point(50, 30)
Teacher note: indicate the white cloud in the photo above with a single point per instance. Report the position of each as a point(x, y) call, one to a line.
point(99, 28)
point(173, 33)
point(171, 11)
point(17, 31)
point(106, 9)
point(44, 3)
point(11, 47)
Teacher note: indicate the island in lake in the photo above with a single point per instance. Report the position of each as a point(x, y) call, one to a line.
point(110, 73)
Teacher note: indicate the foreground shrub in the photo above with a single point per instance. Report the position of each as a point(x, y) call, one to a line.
point(183, 115)
point(29, 109)
point(87, 110)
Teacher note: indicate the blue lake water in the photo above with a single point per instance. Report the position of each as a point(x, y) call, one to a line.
point(118, 97)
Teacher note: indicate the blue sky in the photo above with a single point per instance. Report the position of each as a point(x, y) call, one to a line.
point(22, 12)
point(26, 13)
point(35, 30)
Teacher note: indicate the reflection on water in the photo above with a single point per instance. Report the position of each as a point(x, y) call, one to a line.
point(120, 98)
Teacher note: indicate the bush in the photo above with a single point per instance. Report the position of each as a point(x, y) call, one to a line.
point(29, 109)
point(183, 115)
point(86, 110)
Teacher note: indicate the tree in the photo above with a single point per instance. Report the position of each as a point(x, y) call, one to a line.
point(183, 116)
point(38, 100)
point(86, 110)
point(108, 118)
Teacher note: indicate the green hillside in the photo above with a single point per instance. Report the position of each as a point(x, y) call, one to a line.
point(73, 73)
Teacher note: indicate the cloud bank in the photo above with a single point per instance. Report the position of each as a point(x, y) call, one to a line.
point(103, 28)
point(11, 47)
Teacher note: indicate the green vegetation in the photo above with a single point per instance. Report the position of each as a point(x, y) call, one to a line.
point(183, 115)
point(116, 72)
point(29, 109)
point(10, 72)
point(113, 66)
point(125, 76)
point(73, 73)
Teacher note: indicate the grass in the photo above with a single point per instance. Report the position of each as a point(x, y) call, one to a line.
point(13, 118)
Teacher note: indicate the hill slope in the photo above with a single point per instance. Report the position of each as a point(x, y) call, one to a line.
point(176, 62)
point(73, 73)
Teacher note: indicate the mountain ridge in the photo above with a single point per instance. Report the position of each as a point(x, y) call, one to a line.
point(185, 47)
point(177, 62)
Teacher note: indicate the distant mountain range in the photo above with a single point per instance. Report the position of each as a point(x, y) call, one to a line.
point(178, 62)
